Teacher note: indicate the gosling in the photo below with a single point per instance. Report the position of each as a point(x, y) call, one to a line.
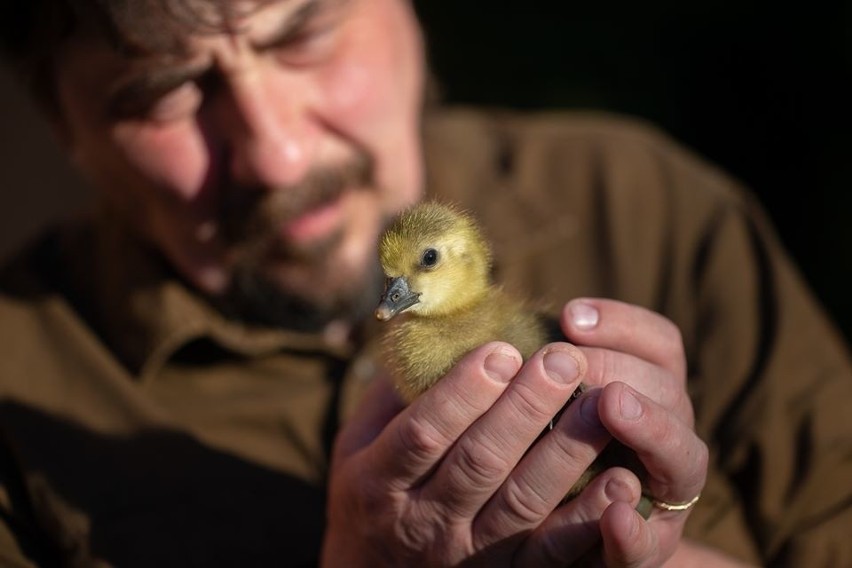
point(438, 267)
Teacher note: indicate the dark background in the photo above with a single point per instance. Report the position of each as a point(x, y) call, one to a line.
point(757, 87)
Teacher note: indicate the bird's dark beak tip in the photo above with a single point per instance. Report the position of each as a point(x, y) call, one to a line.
point(396, 299)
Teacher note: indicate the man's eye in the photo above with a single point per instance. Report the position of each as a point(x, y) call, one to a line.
point(175, 104)
point(307, 46)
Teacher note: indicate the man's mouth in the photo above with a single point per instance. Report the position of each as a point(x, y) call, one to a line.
point(299, 215)
point(316, 223)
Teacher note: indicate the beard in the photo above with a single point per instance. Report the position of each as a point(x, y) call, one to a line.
point(257, 298)
point(300, 286)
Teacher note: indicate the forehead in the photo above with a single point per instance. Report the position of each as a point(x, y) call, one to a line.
point(175, 27)
point(137, 60)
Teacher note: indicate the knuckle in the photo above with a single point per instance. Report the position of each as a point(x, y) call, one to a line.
point(524, 504)
point(420, 439)
point(416, 534)
point(689, 469)
point(418, 527)
point(611, 366)
point(682, 406)
point(701, 460)
point(431, 537)
point(663, 446)
point(673, 338)
point(672, 332)
point(604, 366)
point(573, 453)
point(479, 464)
point(373, 501)
point(529, 403)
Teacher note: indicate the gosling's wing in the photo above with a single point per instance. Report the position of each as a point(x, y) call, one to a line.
point(550, 326)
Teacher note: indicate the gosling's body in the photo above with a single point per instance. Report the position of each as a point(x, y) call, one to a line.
point(426, 347)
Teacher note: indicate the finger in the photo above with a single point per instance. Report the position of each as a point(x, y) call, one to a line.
point(379, 404)
point(486, 454)
point(572, 531)
point(674, 456)
point(626, 328)
point(655, 382)
point(418, 437)
point(546, 473)
point(628, 540)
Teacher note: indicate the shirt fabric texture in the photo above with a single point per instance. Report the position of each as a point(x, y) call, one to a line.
point(141, 427)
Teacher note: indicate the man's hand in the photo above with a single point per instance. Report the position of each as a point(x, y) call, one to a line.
point(452, 478)
point(637, 358)
point(462, 476)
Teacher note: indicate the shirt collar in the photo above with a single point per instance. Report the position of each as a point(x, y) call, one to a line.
point(146, 313)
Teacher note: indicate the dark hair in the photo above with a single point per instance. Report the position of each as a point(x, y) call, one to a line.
point(31, 31)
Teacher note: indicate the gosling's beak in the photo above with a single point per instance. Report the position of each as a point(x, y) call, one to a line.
point(397, 298)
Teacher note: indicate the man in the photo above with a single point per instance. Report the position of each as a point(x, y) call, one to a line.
point(175, 367)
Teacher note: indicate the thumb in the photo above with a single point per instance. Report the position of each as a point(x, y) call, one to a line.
point(378, 406)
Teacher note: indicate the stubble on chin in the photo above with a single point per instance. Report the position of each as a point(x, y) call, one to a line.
point(301, 299)
point(301, 286)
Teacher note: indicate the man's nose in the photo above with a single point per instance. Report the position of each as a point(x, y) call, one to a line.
point(272, 138)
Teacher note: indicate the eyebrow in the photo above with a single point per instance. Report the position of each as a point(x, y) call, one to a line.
point(152, 84)
point(294, 22)
point(163, 80)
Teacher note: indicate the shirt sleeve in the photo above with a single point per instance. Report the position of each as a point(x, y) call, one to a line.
point(771, 383)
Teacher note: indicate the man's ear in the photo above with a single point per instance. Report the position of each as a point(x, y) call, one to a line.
point(59, 129)
point(62, 134)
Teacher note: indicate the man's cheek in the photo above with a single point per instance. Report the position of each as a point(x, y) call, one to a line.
point(171, 159)
point(352, 92)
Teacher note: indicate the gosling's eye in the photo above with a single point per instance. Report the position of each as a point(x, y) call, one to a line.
point(430, 257)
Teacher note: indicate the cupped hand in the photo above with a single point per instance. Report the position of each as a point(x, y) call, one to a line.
point(457, 477)
point(636, 357)
point(464, 475)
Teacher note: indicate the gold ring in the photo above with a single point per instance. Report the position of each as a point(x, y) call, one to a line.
point(675, 506)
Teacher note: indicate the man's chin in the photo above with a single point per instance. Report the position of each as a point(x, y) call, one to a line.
point(303, 255)
point(302, 297)
point(307, 273)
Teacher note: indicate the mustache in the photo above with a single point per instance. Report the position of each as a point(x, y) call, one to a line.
point(252, 213)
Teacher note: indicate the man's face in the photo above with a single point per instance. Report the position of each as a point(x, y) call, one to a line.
point(268, 158)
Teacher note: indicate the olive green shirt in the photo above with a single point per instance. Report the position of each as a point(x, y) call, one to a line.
point(140, 427)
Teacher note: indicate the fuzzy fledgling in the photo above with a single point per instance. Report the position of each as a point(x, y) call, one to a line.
point(438, 265)
point(438, 268)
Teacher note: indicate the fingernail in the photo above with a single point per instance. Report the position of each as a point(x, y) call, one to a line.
point(583, 315)
point(631, 408)
point(589, 410)
point(617, 490)
point(561, 366)
point(501, 366)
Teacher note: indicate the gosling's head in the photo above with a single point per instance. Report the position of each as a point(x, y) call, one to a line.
point(436, 262)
